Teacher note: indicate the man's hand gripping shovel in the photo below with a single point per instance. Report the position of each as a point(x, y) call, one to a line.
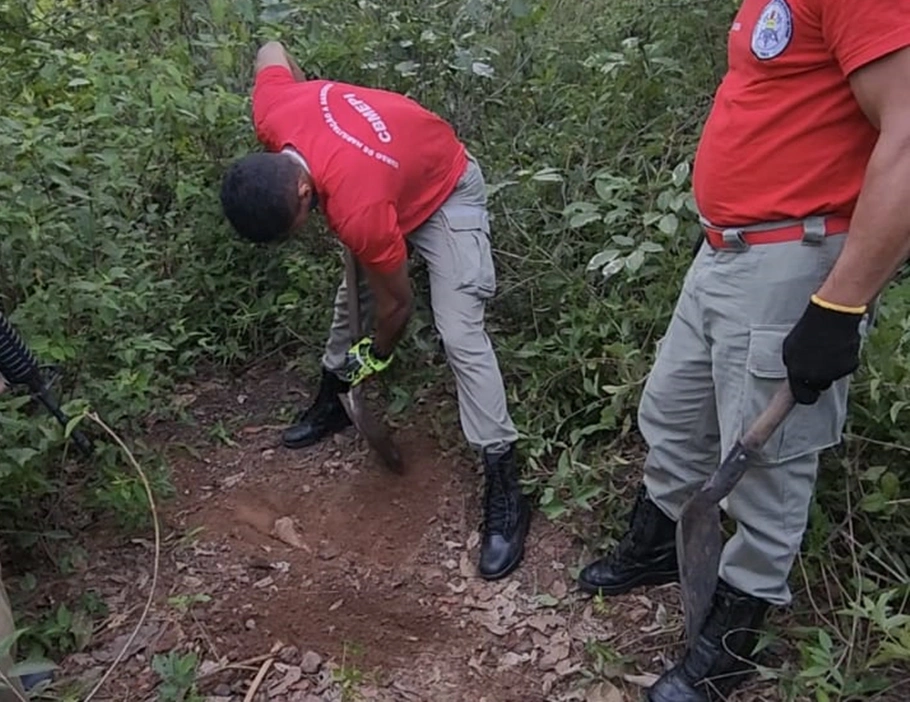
point(698, 534)
point(371, 429)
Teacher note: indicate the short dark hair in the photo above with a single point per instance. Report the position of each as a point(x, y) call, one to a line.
point(259, 196)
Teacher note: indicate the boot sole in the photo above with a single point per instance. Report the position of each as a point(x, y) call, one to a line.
point(515, 562)
point(652, 579)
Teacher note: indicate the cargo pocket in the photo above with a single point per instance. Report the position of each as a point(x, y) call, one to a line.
point(806, 429)
point(468, 234)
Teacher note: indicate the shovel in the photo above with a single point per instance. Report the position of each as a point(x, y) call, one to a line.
point(698, 535)
point(375, 433)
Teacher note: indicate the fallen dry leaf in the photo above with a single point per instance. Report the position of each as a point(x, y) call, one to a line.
point(541, 622)
point(549, 680)
point(465, 567)
point(473, 540)
point(511, 659)
point(291, 677)
point(142, 640)
point(643, 680)
point(566, 667)
point(604, 692)
point(490, 623)
point(284, 530)
point(539, 639)
point(559, 589)
point(558, 649)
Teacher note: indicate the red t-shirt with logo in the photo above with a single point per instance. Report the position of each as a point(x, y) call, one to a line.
point(381, 163)
point(786, 138)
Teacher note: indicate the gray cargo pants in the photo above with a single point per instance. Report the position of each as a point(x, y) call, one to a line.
point(455, 243)
point(716, 369)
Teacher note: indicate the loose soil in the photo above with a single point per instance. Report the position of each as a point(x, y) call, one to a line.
point(339, 580)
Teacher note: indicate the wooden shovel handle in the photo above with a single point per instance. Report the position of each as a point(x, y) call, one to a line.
point(762, 428)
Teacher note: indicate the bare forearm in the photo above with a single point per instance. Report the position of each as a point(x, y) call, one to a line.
point(879, 238)
point(390, 327)
point(298, 74)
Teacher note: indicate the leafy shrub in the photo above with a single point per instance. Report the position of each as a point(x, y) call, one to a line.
point(115, 261)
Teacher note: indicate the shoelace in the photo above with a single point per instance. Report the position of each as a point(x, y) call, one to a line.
point(499, 506)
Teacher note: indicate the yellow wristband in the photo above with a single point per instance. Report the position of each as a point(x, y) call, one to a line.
point(837, 308)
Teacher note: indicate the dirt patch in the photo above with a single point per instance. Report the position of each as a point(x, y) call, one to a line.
point(362, 512)
point(328, 578)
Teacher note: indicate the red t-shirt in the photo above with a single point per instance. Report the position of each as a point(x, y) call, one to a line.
point(381, 163)
point(786, 138)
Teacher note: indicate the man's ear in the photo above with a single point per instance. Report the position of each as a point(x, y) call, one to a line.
point(306, 193)
point(304, 188)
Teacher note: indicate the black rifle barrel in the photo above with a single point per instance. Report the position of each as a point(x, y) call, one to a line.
point(19, 366)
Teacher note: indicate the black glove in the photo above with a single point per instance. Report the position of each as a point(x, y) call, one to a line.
point(822, 347)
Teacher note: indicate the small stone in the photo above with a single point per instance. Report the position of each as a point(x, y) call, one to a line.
point(311, 662)
point(222, 690)
point(329, 551)
point(250, 624)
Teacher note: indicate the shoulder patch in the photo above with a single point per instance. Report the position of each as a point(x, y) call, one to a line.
point(773, 30)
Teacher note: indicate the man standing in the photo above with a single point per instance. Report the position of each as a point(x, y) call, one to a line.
point(802, 177)
point(389, 175)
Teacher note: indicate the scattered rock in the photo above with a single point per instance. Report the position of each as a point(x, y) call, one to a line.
point(265, 582)
point(329, 551)
point(222, 690)
point(232, 480)
point(250, 624)
point(311, 663)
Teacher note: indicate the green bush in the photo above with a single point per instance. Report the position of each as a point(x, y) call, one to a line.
point(115, 261)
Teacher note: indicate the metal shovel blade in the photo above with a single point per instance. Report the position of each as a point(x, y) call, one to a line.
point(375, 433)
point(372, 430)
point(698, 534)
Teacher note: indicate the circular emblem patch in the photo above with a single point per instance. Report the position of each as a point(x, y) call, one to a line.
point(773, 30)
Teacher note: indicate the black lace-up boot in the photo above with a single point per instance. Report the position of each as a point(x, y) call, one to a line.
point(646, 554)
point(507, 516)
point(719, 660)
point(324, 417)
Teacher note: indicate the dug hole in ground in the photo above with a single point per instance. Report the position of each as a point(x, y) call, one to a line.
point(315, 575)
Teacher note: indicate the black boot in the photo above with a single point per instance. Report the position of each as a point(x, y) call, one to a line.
point(714, 666)
point(646, 554)
point(507, 516)
point(324, 417)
